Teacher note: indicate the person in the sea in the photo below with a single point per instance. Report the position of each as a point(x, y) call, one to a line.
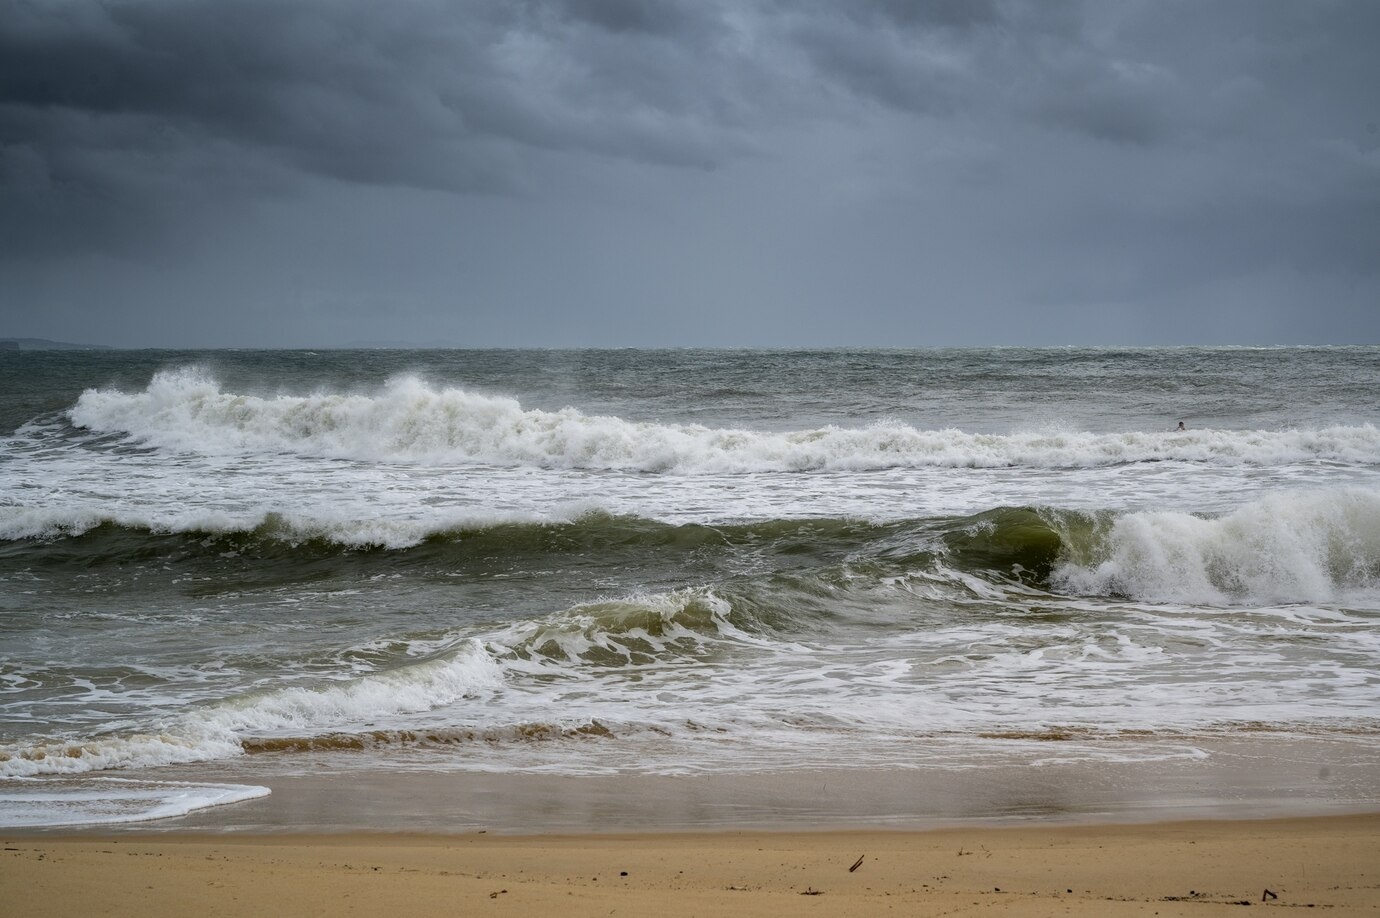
point(1181, 426)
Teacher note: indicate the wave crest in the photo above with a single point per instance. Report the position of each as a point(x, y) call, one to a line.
point(218, 731)
point(412, 421)
point(1305, 546)
point(1318, 545)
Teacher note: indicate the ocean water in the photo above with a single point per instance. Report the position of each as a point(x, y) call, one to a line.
point(672, 562)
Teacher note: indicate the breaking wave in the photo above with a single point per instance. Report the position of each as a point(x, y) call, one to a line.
point(412, 421)
point(360, 712)
point(218, 731)
point(1317, 546)
point(256, 528)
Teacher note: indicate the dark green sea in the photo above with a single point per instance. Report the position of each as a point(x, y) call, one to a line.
point(677, 562)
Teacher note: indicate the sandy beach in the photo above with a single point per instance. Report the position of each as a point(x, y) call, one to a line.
point(1184, 868)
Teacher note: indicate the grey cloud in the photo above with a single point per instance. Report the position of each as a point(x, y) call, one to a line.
point(1116, 101)
point(1045, 62)
point(1107, 151)
point(658, 17)
point(930, 13)
point(427, 95)
point(129, 111)
point(1262, 70)
point(895, 68)
point(449, 95)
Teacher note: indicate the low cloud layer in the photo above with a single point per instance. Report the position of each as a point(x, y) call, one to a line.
point(815, 172)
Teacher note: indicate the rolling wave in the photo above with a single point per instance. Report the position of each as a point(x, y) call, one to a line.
point(412, 421)
point(217, 731)
point(1299, 547)
point(345, 713)
point(1318, 545)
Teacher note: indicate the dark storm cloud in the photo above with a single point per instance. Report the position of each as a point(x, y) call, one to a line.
point(929, 13)
point(669, 20)
point(125, 97)
point(315, 81)
point(438, 95)
point(1138, 148)
point(134, 100)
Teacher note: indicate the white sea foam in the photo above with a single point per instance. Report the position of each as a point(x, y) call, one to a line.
point(30, 802)
point(176, 746)
point(1307, 546)
point(25, 522)
point(412, 421)
point(804, 698)
point(642, 626)
point(469, 670)
point(216, 731)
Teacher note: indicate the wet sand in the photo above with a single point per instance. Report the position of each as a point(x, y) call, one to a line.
point(1060, 837)
point(1187, 868)
point(1243, 778)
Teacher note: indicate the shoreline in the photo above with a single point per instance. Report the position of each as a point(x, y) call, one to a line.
point(1018, 836)
point(1173, 868)
point(1240, 778)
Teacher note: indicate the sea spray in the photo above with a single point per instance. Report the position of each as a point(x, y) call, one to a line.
point(1308, 546)
point(1304, 545)
point(410, 420)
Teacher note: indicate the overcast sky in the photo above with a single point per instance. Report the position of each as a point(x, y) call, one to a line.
point(706, 172)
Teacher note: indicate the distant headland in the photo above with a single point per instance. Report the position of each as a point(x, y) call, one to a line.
point(43, 344)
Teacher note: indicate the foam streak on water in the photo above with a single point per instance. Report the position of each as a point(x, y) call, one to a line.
point(110, 801)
